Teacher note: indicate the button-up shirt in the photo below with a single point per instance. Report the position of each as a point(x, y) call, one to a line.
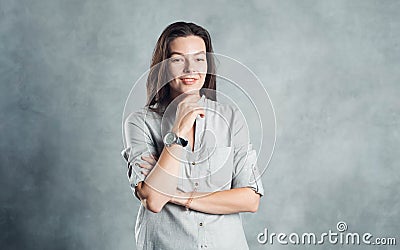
point(222, 159)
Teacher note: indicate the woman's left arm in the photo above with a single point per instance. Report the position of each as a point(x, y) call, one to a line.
point(230, 201)
point(236, 200)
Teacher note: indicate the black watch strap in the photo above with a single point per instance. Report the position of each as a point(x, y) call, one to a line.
point(182, 141)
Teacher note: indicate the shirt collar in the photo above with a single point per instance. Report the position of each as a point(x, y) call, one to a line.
point(202, 98)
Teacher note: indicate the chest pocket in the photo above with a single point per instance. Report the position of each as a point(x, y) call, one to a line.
point(220, 167)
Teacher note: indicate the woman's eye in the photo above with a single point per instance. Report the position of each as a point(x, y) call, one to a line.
point(176, 59)
point(200, 59)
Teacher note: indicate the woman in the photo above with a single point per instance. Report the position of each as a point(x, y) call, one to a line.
point(203, 170)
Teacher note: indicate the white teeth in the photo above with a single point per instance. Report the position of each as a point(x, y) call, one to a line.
point(189, 80)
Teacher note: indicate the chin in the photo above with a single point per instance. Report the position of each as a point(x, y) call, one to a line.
point(182, 88)
point(191, 88)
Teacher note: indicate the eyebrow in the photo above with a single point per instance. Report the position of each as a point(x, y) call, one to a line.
point(175, 52)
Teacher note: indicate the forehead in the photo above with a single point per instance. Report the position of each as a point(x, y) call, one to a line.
point(187, 45)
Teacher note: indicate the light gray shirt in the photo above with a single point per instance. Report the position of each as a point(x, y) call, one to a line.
point(222, 159)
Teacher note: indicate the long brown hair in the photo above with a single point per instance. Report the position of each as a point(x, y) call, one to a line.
point(158, 96)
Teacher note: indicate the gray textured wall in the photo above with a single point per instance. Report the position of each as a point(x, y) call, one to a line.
point(66, 67)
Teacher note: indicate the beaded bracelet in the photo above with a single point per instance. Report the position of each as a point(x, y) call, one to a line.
point(190, 199)
point(188, 203)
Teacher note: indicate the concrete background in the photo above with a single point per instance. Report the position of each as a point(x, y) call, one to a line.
point(66, 67)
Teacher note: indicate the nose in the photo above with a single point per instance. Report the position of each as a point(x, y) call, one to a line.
point(189, 66)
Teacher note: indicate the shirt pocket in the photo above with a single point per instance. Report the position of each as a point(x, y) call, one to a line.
point(220, 166)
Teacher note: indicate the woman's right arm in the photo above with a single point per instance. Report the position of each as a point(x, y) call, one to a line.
point(161, 183)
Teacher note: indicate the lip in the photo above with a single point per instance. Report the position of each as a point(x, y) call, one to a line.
point(189, 80)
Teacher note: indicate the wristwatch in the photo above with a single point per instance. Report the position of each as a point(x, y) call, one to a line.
point(172, 138)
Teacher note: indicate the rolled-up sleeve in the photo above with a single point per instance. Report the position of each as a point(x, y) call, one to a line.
point(138, 143)
point(246, 173)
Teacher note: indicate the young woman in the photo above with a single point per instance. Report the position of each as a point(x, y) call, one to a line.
point(190, 162)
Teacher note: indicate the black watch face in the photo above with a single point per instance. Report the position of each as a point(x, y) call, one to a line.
point(169, 138)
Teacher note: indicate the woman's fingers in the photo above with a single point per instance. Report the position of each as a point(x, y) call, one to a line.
point(190, 112)
point(187, 111)
point(150, 159)
point(199, 111)
point(145, 166)
point(145, 173)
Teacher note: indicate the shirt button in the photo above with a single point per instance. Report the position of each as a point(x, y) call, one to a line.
point(193, 163)
point(196, 184)
point(201, 224)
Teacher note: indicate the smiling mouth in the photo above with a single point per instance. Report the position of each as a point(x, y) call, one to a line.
point(189, 80)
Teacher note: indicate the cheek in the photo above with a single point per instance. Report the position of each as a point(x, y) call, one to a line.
point(203, 71)
point(175, 71)
point(203, 68)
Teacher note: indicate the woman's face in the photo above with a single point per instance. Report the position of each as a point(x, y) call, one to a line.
point(187, 65)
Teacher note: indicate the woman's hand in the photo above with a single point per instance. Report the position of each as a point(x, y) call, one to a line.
point(186, 114)
point(151, 160)
point(147, 167)
point(180, 198)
